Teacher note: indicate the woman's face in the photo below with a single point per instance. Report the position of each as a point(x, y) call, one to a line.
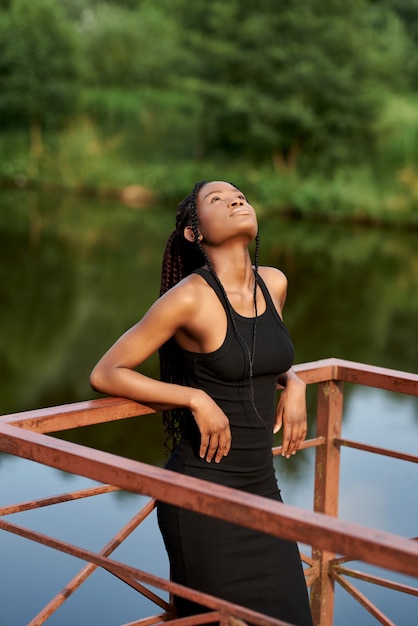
point(224, 213)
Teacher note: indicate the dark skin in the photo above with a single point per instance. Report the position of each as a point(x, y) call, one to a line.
point(227, 225)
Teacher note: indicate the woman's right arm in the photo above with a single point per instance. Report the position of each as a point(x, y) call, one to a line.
point(115, 373)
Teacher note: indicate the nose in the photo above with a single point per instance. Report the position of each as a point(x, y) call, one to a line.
point(236, 202)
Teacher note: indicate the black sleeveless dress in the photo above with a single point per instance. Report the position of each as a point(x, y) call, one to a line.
point(256, 570)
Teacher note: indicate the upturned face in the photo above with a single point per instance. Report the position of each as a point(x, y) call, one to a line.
point(224, 213)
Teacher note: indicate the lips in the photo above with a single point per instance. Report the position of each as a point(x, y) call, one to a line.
point(240, 211)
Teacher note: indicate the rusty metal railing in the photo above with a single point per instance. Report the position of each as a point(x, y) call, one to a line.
point(334, 542)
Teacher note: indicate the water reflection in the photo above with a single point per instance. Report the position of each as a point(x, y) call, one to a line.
point(352, 291)
point(75, 273)
point(37, 573)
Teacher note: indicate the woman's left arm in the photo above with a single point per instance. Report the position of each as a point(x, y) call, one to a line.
point(291, 408)
point(291, 412)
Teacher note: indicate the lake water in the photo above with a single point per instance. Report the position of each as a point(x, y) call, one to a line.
point(75, 273)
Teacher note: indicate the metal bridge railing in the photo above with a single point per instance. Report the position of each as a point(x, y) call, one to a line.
point(334, 542)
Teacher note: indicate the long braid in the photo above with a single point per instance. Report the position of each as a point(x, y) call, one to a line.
point(180, 259)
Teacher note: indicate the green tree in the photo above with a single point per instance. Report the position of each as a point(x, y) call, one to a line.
point(132, 60)
point(407, 12)
point(295, 82)
point(130, 48)
point(39, 67)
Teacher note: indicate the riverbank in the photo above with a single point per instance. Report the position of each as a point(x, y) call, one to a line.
point(79, 161)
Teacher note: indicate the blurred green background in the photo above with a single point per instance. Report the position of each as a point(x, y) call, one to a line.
point(311, 105)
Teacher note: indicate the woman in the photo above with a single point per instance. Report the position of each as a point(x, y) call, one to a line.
point(223, 346)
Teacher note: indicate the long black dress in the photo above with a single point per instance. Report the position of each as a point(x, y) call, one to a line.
point(256, 570)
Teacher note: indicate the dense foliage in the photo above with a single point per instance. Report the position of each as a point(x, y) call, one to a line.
point(38, 64)
point(116, 92)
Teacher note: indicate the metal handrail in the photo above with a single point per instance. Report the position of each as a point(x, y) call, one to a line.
point(26, 435)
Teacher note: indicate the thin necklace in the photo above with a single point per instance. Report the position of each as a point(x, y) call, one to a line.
point(251, 354)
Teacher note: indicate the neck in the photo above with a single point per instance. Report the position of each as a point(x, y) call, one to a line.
point(233, 267)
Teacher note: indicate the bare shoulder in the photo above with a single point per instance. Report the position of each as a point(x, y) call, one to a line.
point(276, 282)
point(187, 293)
point(182, 302)
point(195, 314)
point(273, 276)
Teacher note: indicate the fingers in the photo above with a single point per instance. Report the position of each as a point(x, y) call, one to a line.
point(224, 444)
point(209, 447)
point(293, 437)
point(278, 423)
point(215, 446)
point(204, 445)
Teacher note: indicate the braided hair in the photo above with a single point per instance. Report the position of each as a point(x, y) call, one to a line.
point(181, 258)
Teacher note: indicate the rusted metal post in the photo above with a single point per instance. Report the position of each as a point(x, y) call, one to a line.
point(327, 474)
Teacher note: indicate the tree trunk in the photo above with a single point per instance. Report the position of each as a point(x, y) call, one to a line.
point(35, 146)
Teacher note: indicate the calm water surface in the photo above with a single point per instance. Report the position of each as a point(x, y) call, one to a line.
point(75, 273)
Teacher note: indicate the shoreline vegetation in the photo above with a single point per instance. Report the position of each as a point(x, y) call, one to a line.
point(359, 195)
point(84, 158)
